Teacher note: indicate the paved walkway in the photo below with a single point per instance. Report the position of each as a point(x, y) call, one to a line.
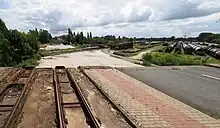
point(148, 107)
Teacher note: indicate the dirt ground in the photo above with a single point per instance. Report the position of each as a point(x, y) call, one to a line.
point(4, 72)
point(75, 116)
point(39, 109)
point(85, 58)
point(9, 93)
point(104, 111)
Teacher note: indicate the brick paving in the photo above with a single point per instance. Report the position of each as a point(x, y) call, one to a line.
point(148, 107)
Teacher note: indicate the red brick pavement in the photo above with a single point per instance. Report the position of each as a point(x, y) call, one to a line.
point(170, 114)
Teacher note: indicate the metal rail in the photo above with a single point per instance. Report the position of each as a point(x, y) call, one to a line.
point(82, 103)
point(124, 114)
point(60, 114)
point(94, 121)
point(10, 119)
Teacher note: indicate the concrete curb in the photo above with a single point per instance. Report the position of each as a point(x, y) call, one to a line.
point(212, 65)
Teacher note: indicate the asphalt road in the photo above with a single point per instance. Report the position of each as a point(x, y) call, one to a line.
point(198, 87)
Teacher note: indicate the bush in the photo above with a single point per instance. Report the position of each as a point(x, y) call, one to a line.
point(147, 56)
point(146, 63)
point(168, 59)
point(28, 63)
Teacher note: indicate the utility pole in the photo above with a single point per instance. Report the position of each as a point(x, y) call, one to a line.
point(185, 36)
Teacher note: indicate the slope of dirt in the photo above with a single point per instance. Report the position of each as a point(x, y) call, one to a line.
point(105, 113)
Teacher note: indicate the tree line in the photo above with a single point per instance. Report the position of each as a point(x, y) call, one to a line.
point(16, 47)
point(78, 38)
point(209, 37)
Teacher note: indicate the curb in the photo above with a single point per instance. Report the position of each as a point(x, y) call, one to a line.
point(212, 65)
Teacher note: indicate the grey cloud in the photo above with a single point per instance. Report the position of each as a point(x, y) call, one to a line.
point(187, 9)
point(120, 17)
point(136, 16)
point(122, 25)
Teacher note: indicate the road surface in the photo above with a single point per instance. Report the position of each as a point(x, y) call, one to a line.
point(198, 87)
point(85, 58)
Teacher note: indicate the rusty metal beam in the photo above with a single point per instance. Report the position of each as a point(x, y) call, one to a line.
point(12, 114)
point(118, 108)
point(94, 121)
point(60, 115)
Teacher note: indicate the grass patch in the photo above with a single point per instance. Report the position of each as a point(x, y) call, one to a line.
point(169, 59)
point(32, 62)
point(28, 63)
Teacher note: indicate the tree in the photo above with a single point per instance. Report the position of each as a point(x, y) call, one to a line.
point(44, 36)
point(90, 34)
point(70, 36)
point(202, 36)
point(172, 38)
point(81, 35)
point(32, 38)
point(5, 52)
point(3, 29)
point(16, 46)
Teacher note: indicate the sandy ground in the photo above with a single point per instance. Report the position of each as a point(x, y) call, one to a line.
point(139, 56)
point(52, 47)
point(85, 58)
point(105, 113)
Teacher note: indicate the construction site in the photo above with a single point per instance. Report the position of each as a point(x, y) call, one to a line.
point(92, 96)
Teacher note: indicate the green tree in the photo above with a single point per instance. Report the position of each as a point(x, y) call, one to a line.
point(32, 38)
point(44, 36)
point(16, 46)
point(172, 38)
point(5, 52)
point(203, 36)
point(70, 36)
point(90, 34)
point(3, 29)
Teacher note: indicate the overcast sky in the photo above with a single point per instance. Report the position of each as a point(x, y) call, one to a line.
point(141, 18)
